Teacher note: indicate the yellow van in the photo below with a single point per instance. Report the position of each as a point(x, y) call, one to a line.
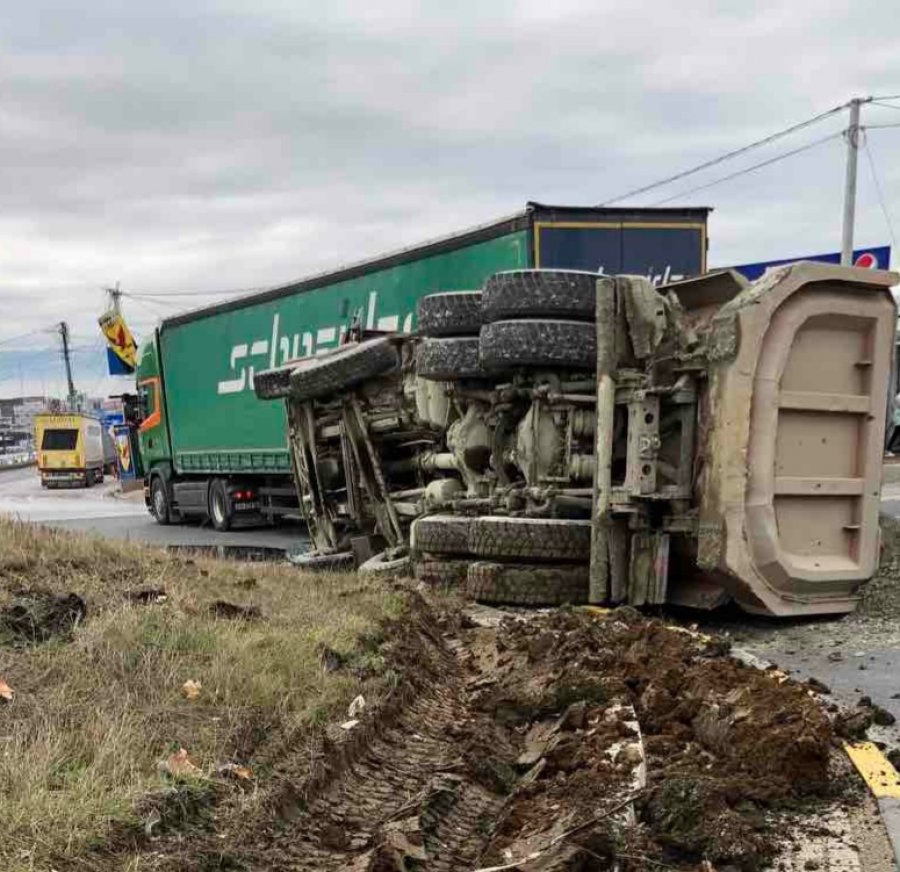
point(70, 449)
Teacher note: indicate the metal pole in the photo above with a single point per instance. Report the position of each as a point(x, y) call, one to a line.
point(852, 134)
point(599, 573)
point(64, 335)
point(115, 296)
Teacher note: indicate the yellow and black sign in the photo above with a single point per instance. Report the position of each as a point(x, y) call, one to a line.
point(121, 342)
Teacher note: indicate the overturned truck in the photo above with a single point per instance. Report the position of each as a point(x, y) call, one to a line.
point(563, 437)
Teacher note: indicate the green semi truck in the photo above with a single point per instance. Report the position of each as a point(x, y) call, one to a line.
point(211, 449)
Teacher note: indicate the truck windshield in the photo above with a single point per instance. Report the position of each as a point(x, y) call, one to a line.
point(59, 440)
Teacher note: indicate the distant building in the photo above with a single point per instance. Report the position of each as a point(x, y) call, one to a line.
point(17, 422)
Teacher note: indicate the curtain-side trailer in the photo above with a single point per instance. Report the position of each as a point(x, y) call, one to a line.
point(211, 449)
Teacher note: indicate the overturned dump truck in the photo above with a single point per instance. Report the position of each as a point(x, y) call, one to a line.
point(563, 437)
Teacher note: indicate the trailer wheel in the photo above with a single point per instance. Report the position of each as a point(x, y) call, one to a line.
point(308, 561)
point(506, 345)
point(533, 538)
point(343, 368)
point(522, 585)
point(219, 506)
point(159, 501)
point(440, 534)
point(380, 566)
point(540, 293)
point(437, 571)
point(457, 313)
point(450, 358)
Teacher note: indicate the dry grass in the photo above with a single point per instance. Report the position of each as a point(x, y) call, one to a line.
point(93, 715)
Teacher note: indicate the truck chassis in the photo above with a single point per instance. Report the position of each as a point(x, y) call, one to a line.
point(563, 437)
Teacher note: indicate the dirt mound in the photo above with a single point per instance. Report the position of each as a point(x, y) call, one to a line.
point(724, 743)
point(561, 741)
point(33, 616)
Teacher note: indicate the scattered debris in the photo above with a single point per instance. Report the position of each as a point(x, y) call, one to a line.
point(191, 689)
point(6, 692)
point(225, 609)
point(179, 765)
point(35, 616)
point(356, 707)
point(146, 595)
point(233, 770)
point(818, 686)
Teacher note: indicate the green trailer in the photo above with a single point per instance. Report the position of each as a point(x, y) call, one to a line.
point(211, 449)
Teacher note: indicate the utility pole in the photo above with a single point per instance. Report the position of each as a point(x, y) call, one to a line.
point(115, 295)
point(852, 135)
point(64, 335)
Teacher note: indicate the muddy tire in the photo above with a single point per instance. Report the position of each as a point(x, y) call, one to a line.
point(437, 571)
point(540, 293)
point(440, 534)
point(521, 585)
point(507, 345)
point(341, 562)
point(380, 567)
point(336, 371)
point(449, 359)
point(452, 314)
point(533, 538)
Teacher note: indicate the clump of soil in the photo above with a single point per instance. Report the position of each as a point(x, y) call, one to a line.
point(33, 616)
point(724, 743)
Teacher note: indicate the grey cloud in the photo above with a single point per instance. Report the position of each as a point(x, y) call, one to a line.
point(213, 143)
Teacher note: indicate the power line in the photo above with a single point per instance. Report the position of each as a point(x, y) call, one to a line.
point(885, 105)
point(728, 156)
point(26, 335)
point(880, 193)
point(751, 169)
point(880, 126)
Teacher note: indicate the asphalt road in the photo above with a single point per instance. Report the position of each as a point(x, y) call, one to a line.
point(101, 509)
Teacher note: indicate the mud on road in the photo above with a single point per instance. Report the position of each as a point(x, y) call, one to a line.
point(556, 741)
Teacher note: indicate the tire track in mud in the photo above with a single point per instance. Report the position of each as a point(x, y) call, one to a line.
point(521, 739)
point(411, 770)
point(409, 792)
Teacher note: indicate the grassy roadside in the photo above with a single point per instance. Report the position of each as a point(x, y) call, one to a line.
point(98, 708)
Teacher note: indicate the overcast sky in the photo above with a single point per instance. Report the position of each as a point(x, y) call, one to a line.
point(214, 144)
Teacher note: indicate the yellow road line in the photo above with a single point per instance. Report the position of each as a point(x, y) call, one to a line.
point(875, 769)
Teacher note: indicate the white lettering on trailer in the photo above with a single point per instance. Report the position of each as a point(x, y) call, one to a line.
point(281, 348)
point(235, 385)
point(656, 279)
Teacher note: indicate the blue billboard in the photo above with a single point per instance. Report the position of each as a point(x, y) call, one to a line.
point(664, 251)
point(870, 258)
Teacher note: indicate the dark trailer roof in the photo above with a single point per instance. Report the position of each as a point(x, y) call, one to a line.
point(524, 220)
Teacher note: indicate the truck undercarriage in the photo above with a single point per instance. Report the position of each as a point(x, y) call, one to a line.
point(566, 437)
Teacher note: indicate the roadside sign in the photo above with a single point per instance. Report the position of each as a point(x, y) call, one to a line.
point(869, 258)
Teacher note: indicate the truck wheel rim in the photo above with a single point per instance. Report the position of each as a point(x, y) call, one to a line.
point(159, 501)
